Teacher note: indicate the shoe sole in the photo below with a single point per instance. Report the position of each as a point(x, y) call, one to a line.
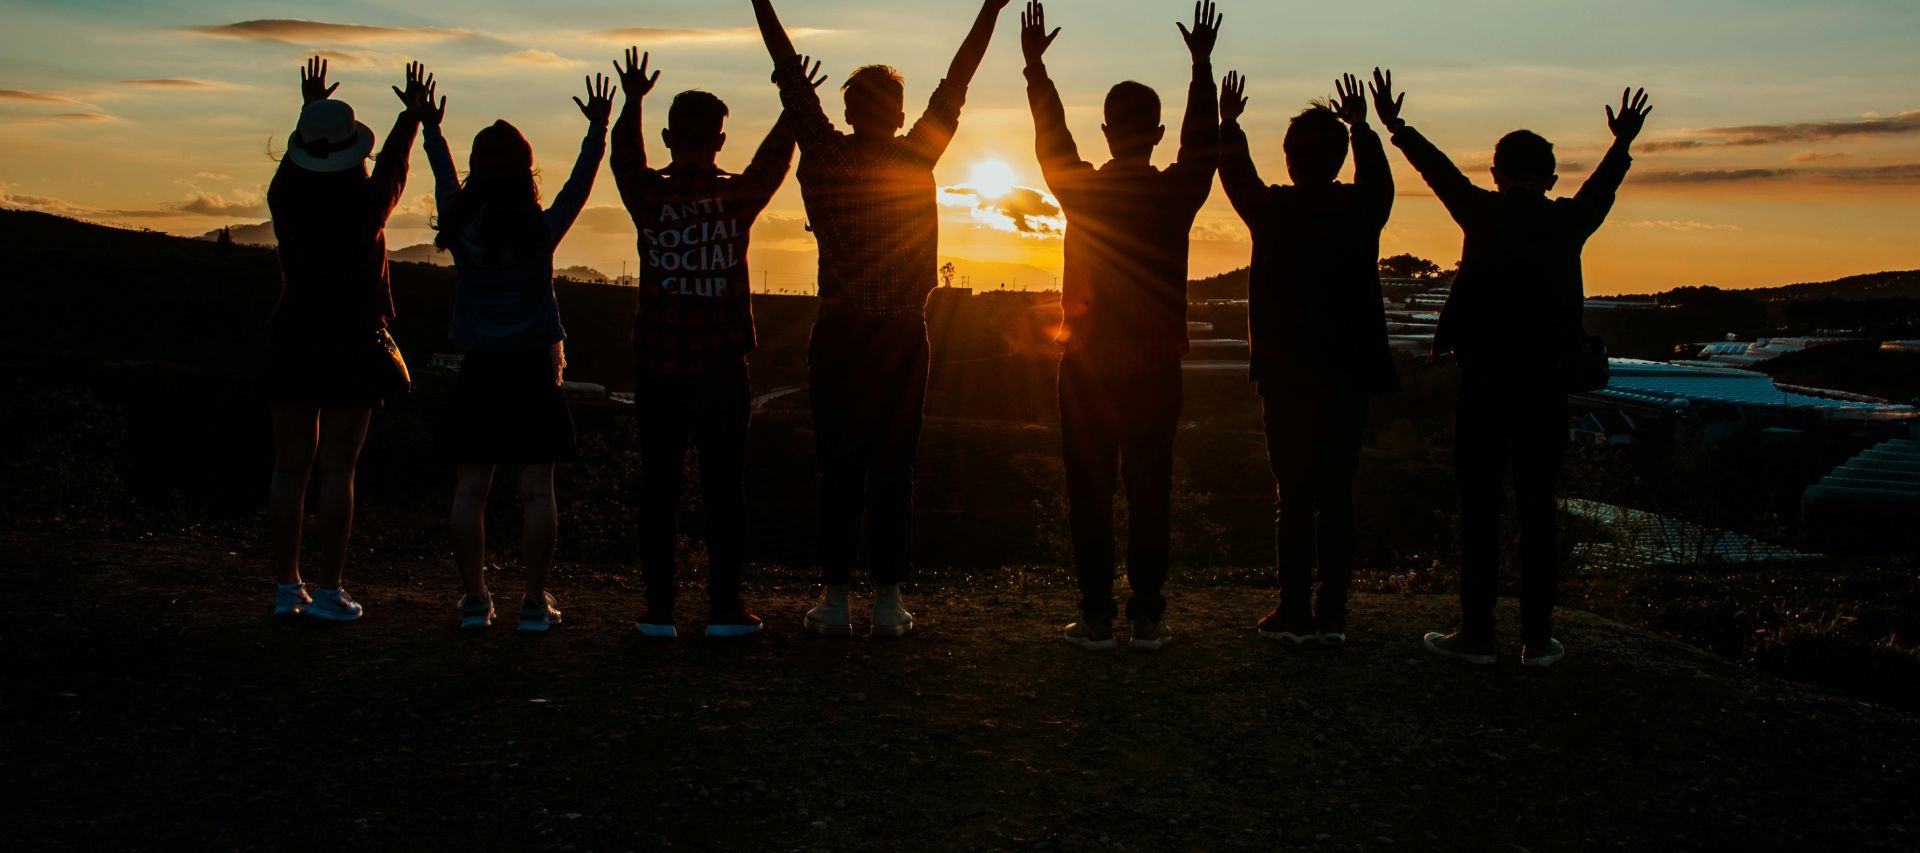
point(1149, 645)
point(537, 626)
point(1543, 661)
point(893, 630)
point(1333, 639)
point(1105, 645)
point(660, 632)
point(329, 616)
point(284, 614)
point(1289, 637)
point(471, 623)
point(1477, 660)
point(734, 630)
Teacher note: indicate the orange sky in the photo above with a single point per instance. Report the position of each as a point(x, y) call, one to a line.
point(1753, 171)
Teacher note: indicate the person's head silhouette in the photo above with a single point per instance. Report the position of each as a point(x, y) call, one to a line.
point(876, 101)
point(497, 213)
point(1133, 125)
point(1316, 145)
point(1523, 163)
point(696, 127)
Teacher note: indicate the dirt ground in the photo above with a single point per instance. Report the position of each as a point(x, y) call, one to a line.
point(151, 704)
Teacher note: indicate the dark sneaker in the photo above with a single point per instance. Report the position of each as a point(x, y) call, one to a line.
point(1094, 635)
point(333, 605)
point(1287, 630)
point(1460, 648)
point(655, 625)
point(538, 616)
point(1542, 656)
point(476, 611)
point(1151, 636)
point(1332, 629)
point(734, 623)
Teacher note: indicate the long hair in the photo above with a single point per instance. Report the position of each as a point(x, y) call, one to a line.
point(497, 211)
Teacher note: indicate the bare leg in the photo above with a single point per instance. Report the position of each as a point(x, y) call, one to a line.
point(294, 436)
point(342, 432)
point(471, 484)
point(540, 526)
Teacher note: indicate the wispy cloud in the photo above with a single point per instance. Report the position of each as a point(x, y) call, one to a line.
point(82, 117)
point(1683, 225)
point(1892, 173)
point(214, 204)
point(36, 97)
point(649, 36)
point(174, 83)
point(1773, 134)
point(542, 59)
point(243, 205)
point(1025, 211)
point(298, 31)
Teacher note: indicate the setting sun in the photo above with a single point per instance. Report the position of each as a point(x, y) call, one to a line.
point(992, 178)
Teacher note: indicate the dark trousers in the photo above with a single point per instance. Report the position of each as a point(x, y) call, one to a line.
point(712, 410)
point(1313, 446)
point(1500, 423)
point(1119, 428)
point(867, 379)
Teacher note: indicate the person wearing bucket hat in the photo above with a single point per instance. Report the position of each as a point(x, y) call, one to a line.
point(329, 359)
point(507, 407)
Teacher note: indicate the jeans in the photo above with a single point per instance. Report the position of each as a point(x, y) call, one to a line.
point(712, 410)
point(867, 379)
point(1502, 422)
point(1313, 447)
point(1119, 428)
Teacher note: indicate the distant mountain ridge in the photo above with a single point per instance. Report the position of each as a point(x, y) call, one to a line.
point(1891, 284)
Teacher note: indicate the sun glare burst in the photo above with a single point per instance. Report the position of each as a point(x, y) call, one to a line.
point(992, 178)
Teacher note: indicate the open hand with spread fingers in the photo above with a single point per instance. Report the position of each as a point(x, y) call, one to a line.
point(1233, 97)
point(813, 75)
point(1634, 108)
point(1385, 103)
point(1034, 38)
point(633, 77)
point(418, 96)
point(1350, 100)
point(598, 108)
point(313, 81)
point(1206, 30)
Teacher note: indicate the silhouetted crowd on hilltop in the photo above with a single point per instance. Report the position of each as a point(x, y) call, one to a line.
point(1316, 328)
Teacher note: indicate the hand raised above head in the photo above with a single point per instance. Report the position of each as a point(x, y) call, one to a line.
point(313, 81)
point(813, 75)
point(1233, 97)
point(1206, 30)
point(1350, 100)
point(1634, 108)
point(1034, 38)
point(598, 108)
point(634, 76)
point(1385, 103)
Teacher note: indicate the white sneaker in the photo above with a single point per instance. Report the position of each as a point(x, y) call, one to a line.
point(333, 605)
point(890, 616)
point(831, 617)
point(290, 599)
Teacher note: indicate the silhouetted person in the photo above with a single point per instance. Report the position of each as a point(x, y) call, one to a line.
point(871, 199)
point(692, 330)
point(329, 361)
point(507, 407)
point(1125, 300)
point(1513, 321)
point(1318, 335)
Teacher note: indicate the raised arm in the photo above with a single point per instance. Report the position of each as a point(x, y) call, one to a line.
point(389, 175)
point(572, 197)
point(1060, 161)
point(1604, 184)
point(1371, 174)
point(779, 45)
point(1200, 130)
point(1444, 178)
point(967, 60)
point(629, 155)
point(1237, 173)
point(446, 180)
point(771, 162)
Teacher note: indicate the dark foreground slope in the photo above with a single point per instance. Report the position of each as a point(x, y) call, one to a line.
point(151, 705)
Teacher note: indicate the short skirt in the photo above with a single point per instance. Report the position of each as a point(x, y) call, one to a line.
point(327, 372)
point(506, 410)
